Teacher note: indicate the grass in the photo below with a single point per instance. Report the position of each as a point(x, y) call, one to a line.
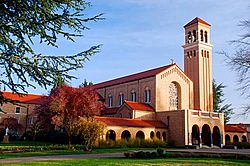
point(67, 152)
point(137, 162)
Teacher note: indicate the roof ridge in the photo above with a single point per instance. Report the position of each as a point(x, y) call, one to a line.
point(132, 77)
point(196, 20)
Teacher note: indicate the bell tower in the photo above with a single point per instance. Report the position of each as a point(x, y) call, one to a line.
point(198, 62)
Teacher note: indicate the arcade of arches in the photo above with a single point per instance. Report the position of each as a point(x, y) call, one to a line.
point(205, 136)
point(114, 135)
point(233, 137)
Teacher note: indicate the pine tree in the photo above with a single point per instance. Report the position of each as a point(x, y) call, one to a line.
point(24, 21)
point(218, 101)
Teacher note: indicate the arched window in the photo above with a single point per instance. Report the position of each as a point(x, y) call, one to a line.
point(158, 135)
point(235, 138)
point(202, 53)
point(201, 34)
point(147, 96)
point(110, 135)
point(194, 53)
point(133, 96)
point(140, 135)
point(207, 54)
point(164, 136)
point(126, 135)
point(121, 98)
point(152, 135)
point(110, 101)
point(173, 96)
point(205, 35)
point(244, 138)
point(227, 139)
point(189, 37)
point(194, 35)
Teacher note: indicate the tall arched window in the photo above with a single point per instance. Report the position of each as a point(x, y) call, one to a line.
point(194, 35)
point(173, 96)
point(147, 95)
point(110, 101)
point(205, 35)
point(201, 34)
point(189, 37)
point(133, 96)
point(121, 98)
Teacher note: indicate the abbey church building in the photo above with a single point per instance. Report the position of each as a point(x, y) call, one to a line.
point(167, 102)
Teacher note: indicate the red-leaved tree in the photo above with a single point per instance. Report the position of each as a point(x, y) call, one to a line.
point(68, 104)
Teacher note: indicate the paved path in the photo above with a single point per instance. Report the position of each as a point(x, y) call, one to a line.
point(59, 157)
point(108, 155)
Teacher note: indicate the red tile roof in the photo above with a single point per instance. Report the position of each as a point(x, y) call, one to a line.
point(25, 98)
point(133, 77)
point(234, 128)
point(109, 111)
point(130, 122)
point(139, 106)
point(196, 20)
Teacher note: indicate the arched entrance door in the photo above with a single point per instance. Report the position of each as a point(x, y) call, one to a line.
point(126, 135)
point(227, 139)
point(195, 135)
point(164, 136)
point(140, 135)
point(206, 135)
point(158, 135)
point(216, 136)
point(236, 138)
point(152, 135)
point(110, 135)
point(244, 138)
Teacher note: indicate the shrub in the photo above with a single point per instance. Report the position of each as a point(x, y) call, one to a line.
point(160, 152)
point(132, 143)
point(242, 145)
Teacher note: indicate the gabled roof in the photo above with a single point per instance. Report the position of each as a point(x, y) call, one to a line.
point(196, 20)
point(234, 128)
point(139, 106)
point(133, 77)
point(110, 121)
point(25, 98)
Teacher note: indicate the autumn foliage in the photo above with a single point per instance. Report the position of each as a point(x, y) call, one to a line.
point(68, 104)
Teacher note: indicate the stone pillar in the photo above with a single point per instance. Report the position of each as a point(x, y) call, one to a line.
point(190, 139)
point(221, 138)
point(211, 138)
point(200, 140)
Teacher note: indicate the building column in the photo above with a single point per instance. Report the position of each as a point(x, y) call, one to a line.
point(200, 140)
point(211, 138)
point(190, 139)
point(221, 138)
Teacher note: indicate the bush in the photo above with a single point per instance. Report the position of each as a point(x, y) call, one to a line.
point(160, 152)
point(242, 145)
point(132, 143)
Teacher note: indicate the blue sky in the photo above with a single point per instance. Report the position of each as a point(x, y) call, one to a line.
point(141, 34)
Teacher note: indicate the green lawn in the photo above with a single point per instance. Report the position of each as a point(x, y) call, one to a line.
point(67, 152)
point(141, 162)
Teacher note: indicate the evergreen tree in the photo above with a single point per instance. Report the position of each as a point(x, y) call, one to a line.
point(22, 22)
point(218, 100)
point(85, 83)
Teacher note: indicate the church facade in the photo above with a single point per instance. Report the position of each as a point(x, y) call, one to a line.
point(174, 105)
